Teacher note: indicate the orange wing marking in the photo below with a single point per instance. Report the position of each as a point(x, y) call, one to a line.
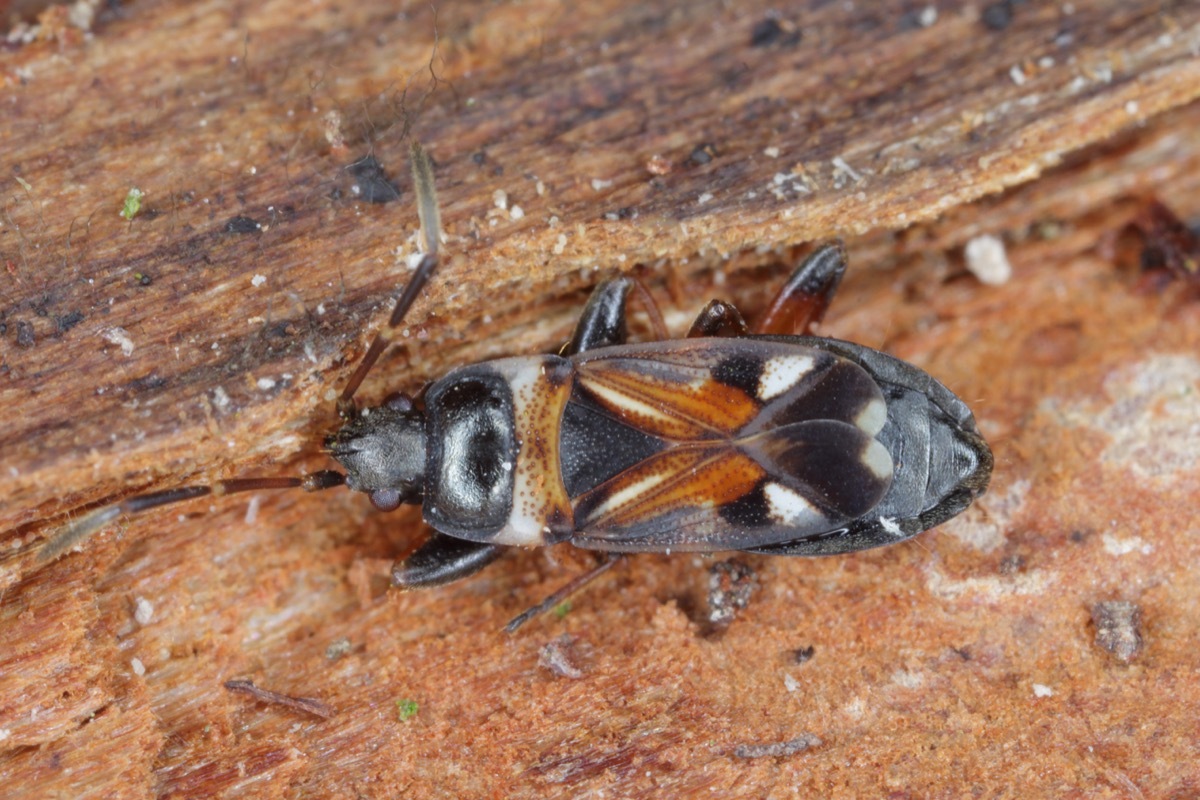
point(682, 478)
point(674, 402)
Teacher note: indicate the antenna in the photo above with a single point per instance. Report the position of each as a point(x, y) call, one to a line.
point(431, 232)
point(78, 530)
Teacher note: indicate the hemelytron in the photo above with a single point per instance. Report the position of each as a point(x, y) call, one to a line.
point(773, 442)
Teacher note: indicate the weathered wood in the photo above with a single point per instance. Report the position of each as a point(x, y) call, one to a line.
point(871, 122)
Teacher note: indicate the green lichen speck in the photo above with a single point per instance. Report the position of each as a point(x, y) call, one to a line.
point(133, 203)
point(406, 709)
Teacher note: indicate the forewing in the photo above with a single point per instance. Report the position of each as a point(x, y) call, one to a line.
point(798, 481)
point(763, 442)
point(657, 494)
point(708, 390)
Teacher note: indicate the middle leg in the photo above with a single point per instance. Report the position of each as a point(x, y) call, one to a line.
point(719, 319)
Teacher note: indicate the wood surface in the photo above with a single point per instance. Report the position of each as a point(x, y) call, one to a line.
point(699, 144)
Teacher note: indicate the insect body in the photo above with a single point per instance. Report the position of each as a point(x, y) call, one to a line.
point(792, 445)
point(725, 440)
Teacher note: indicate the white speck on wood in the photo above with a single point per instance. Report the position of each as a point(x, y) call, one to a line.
point(143, 611)
point(118, 336)
point(988, 260)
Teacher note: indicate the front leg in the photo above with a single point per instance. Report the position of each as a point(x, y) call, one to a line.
point(441, 560)
point(602, 323)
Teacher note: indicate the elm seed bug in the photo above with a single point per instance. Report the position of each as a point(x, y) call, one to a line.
point(766, 442)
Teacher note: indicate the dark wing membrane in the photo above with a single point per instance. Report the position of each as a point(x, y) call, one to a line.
point(704, 390)
point(837, 390)
point(801, 480)
point(834, 466)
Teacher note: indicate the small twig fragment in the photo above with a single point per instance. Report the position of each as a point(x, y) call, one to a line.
point(788, 748)
point(307, 704)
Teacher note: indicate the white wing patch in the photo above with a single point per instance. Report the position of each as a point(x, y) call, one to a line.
point(786, 506)
point(781, 373)
point(877, 459)
point(871, 419)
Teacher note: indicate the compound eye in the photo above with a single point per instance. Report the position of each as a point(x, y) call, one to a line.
point(399, 402)
point(386, 499)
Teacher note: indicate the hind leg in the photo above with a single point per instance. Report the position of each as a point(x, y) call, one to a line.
point(803, 300)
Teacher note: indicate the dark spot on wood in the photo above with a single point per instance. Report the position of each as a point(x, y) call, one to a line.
point(769, 31)
point(147, 383)
point(997, 16)
point(702, 154)
point(371, 182)
point(1013, 564)
point(766, 31)
point(625, 212)
point(910, 21)
point(25, 336)
point(803, 654)
point(281, 330)
point(1168, 243)
point(242, 224)
point(68, 321)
